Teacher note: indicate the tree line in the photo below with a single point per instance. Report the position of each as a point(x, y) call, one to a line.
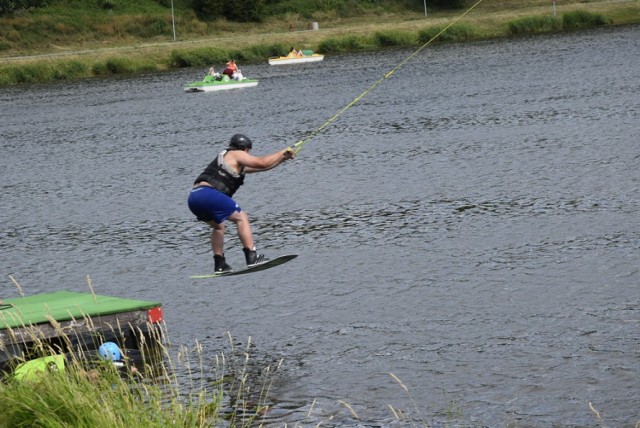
point(256, 10)
point(247, 10)
point(8, 7)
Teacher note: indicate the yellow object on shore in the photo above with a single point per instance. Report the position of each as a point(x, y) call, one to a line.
point(33, 370)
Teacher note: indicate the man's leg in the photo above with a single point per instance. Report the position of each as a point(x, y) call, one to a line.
point(241, 219)
point(217, 238)
point(217, 245)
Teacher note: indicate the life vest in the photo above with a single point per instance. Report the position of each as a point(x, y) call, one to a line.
point(221, 177)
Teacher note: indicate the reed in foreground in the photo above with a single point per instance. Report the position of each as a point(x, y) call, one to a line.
point(100, 398)
point(78, 391)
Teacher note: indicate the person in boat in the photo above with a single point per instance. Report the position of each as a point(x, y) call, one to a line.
point(214, 73)
point(293, 53)
point(231, 70)
point(211, 198)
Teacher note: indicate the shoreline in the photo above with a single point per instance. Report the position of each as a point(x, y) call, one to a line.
point(338, 37)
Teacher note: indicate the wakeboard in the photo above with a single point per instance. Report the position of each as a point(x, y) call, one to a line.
point(255, 268)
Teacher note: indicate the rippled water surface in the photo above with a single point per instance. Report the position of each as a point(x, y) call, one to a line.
point(471, 226)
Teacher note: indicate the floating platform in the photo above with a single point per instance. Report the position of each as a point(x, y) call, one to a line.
point(69, 322)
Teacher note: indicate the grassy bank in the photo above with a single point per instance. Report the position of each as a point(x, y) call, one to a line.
point(113, 48)
point(80, 391)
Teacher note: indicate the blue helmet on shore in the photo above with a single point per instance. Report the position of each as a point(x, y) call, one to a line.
point(110, 351)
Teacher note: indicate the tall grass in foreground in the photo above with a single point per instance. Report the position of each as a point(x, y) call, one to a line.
point(101, 398)
point(101, 395)
point(60, 380)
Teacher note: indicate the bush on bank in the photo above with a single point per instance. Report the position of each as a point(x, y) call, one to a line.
point(575, 20)
point(455, 33)
point(582, 19)
point(205, 57)
point(62, 70)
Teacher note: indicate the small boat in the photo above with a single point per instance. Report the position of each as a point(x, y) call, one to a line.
point(307, 56)
point(210, 83)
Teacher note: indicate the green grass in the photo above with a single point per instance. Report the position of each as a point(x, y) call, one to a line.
point(84, 23)
point(347, 43)
point(394, 38)
point(124, 65)
point(98, 399)
point(535, 24)
point(62, 70)
point(580, 19)
point(96, 394)
point(455, 33)
point(574, 20)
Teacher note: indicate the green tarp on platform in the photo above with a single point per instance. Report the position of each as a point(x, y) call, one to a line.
point(63, 306)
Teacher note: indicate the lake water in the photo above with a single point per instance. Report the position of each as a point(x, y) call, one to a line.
point(471, 226)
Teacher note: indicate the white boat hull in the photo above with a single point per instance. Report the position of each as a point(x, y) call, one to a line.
point(295, 60)
point(220, 87)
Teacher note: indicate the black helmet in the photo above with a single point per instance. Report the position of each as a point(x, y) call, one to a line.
point(240, 142)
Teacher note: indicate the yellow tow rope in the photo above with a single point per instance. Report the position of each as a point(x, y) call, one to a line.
point(300, 144)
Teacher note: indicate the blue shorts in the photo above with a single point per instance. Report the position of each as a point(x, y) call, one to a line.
point(209, 204)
